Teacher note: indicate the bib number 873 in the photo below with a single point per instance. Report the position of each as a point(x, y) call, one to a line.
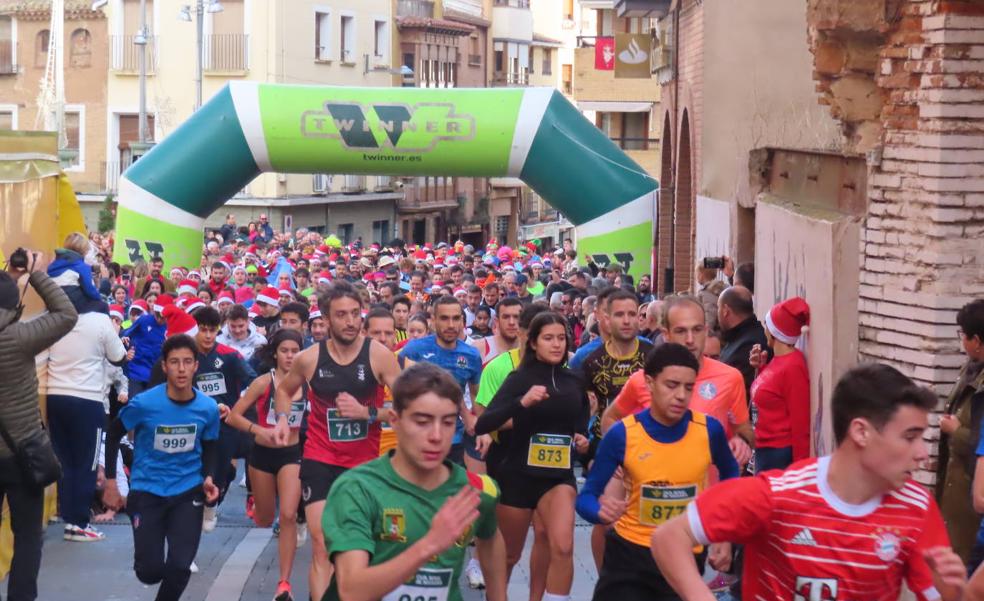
point(550, 455)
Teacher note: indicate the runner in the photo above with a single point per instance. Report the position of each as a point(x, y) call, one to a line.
point(176, 429)
point(380, 326)
point(664, 454)
point(346, 374)
point(549, 410)
point(397, 527)
point(851, 525)
point(506, 331)
point(273, 470)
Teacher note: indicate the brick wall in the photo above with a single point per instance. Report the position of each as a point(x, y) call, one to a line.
point(923, 240)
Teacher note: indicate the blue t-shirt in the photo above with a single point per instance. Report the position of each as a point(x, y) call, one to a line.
point(167, 450)
point(463, 362)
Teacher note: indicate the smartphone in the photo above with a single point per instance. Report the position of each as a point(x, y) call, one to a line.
point(713, 262)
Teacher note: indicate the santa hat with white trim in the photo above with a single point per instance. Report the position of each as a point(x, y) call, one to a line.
point(188, 287)
point(789, 319)
point(179, 322)
point(162, 301)
point(139, 305)
point(269, 295)
point(194, 305)
point(116, 311)
point(314, 314)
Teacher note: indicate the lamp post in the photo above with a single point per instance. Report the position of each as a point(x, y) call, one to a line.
point(201, 7)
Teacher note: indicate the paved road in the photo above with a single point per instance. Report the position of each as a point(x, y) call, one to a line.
point(246, 557)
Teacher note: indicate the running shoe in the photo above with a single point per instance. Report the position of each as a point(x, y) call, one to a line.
point(302, 534)
point(83, 535)
point(193, 568)
point(474, 574)
point(276, 528)
point(283, 592)
point(210, 517)
point(250, 505)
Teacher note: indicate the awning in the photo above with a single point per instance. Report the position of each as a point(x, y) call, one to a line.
point(615, 107)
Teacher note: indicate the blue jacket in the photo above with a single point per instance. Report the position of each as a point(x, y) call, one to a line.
point(146, 337)
point(66, 260)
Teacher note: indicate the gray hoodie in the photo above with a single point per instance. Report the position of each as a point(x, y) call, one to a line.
point(247, 346)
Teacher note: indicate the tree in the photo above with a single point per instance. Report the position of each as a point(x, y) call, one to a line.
point(107, 215)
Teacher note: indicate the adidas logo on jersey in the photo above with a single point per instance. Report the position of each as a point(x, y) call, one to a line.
point(805, 538)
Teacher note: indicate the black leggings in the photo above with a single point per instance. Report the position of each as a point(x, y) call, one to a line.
point(176, 520)
point(26, 505)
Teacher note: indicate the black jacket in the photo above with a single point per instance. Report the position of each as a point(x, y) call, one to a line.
point(737, 343)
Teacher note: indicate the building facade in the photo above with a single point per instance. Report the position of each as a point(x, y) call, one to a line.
point(25, 38)
point(314, 42)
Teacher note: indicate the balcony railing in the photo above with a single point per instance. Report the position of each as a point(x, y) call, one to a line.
point(8, 58)
point(415, 8)
point(426, 197)
point(112, 170)
point(521, 78)
point(354, 184)
point(513, 3)
point(629, 143)
point(385, 183)
point(226, 52)
point(587, 41)
point(125, 55)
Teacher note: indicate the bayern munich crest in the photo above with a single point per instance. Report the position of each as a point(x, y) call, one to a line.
point(887, 546)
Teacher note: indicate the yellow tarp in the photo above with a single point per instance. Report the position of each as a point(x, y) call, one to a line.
point(38, 209)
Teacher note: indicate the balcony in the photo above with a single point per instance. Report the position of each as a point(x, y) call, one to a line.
point(354, 184)
point(385, 183)
point(415, 8)
point(111, 172)
point(8, 58)
point(125, 54)
point(418, 197)
point(590, 84)
point(226, 52)
point(511, 80)
point(513, 3)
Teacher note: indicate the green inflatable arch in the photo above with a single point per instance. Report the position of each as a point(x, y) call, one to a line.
point(248, 128)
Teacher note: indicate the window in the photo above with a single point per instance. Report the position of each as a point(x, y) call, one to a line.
point(499, 57)
point(347, 39)
point(531, 60)
point(567, 74)
point(606, 25)
point(569, 9)
point(380, 43)
point(502, 226)
point(345, 232)
point(8, 119)
point(322, 36)
point(41, 42)
point(74, 136)
point(548, 61)
point(8, 60)
point(381, 231)
point(81, 49)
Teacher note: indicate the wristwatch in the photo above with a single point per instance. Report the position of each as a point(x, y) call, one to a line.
point(280, 414)
point(373, 414)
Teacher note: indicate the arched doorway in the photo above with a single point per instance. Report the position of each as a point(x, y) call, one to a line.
point(664, 218)
point(683, 223)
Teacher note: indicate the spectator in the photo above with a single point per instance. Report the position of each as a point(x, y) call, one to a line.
point(228, 230)
point(709, 287)
point(264, 232)
point(19, 415)
point(740, 331)
point(960, 433)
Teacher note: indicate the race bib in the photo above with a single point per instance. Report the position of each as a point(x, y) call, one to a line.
point(427, 584)
point(658, 504)
point(175, 439)
point(212, 384)
point(550, 451)
point(295, 416)
point(343, 429)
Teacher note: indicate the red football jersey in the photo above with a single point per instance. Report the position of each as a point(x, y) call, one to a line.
point(804, 543)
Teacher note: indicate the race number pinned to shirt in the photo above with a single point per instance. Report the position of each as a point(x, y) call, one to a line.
point(212, 384)
point(343, 429)
point(427, 584)
point(657, 504)
point(175, 439)
point(550, 451)
point(295, 416)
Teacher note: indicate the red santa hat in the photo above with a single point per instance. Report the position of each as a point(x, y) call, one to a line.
point(162, 301)
point(286, 291)
point(789, 319)
point(139, 305)
point(195, 275)
point(324, 277)
point(179, 322)
point(268, 295)
point(188, 287)
point(225, 297)
point(116, 311)
point(177, 271)
point(314, 314)
point(194, 305)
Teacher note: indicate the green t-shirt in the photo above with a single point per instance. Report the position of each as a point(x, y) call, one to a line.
point(371, 508)
point(494, 375)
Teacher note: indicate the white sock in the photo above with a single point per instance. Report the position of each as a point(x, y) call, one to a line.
point(555, 597)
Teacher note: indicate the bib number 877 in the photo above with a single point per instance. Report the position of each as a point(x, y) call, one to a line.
point(662, 513)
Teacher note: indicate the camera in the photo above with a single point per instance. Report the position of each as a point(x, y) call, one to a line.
point(713, 262)
point(18, 259)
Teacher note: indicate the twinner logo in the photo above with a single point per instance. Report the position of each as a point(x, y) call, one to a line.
point(400, 127)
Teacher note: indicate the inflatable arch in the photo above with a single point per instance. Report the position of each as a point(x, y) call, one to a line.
point(247, 128)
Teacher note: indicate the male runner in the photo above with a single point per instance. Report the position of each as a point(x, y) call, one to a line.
point(401, 315)
point(379, 325)
point(446, 349)
point(346, 374)
point(175, 431)
point(664, 454)
point(506, 331)
point(397, 527)
point(851, 525)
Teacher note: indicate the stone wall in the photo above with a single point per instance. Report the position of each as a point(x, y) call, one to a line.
point(906, 80)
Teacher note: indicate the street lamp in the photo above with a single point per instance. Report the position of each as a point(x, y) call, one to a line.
point(201, 7)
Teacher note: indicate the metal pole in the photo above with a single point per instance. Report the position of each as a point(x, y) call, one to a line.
point(142, 120)
point(200, 15)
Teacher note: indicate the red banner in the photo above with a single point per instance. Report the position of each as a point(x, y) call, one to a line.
point(605, 54)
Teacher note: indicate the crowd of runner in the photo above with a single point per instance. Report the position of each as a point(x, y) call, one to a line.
point(415, 410)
